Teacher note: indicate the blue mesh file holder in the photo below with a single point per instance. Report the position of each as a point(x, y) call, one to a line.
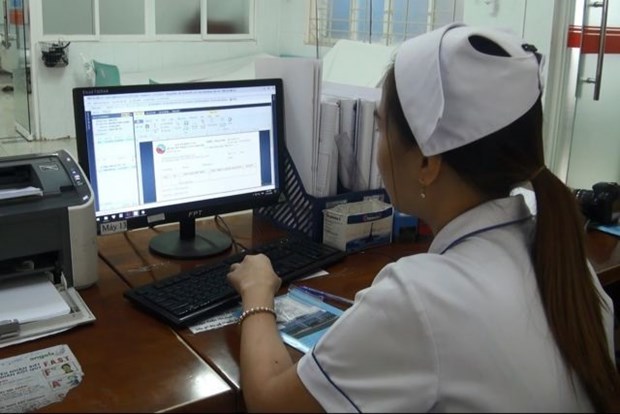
point(300, 212)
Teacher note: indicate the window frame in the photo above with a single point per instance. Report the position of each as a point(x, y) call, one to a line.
point(319, 19)
point(150, 34)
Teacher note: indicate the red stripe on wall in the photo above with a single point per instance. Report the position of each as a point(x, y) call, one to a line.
point(591, 36)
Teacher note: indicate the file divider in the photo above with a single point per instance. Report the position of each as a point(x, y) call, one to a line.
point(302, 213)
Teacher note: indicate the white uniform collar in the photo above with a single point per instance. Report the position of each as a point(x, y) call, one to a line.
point(487, 216)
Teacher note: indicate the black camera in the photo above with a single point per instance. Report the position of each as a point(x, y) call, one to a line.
point(599, 203)
point(54, 54)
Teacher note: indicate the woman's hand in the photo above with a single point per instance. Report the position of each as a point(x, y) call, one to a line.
point(254, 278)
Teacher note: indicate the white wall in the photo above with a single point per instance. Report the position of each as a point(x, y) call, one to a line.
point(52, 87)
point(530, 19)
point(281, 27)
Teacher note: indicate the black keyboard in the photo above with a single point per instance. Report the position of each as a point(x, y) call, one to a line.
point(196, 294)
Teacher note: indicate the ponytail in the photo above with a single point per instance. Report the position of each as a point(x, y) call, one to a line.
point(571, 301)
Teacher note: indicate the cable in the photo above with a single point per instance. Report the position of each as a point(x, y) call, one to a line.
point(220, 223)
point(147, 267)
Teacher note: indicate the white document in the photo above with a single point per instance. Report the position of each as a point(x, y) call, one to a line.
point(30, 298)
point(327, 168)
point(364, 144)
point(10, 193)
point(345, 141)
point(36, 379)
point(342, 90)
point(354, 151)
point(376, 181)
point(301, 78)
point(357, 63)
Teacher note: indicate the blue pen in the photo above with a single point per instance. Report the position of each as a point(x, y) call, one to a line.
point(323, 295)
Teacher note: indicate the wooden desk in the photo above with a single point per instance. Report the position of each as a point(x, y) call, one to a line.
point(604, 253)
point(130, 361)
point(128, 254)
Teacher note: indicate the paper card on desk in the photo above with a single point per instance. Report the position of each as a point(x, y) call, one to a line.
point(36, 379)
point(315, 274)
point(304, 319)
point(218, 321)
point(30, 298)
point(232, 316)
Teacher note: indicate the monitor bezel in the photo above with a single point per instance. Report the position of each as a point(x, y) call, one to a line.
point(193, 210)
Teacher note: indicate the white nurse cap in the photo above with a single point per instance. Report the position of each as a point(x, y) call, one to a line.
point(453, 94)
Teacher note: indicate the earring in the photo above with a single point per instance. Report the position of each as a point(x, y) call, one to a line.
point(423, 193)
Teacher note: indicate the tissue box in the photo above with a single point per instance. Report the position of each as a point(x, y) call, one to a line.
point(359, 225)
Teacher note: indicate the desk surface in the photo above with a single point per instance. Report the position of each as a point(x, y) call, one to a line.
point(130, 361)
point(128, 253)
point(604, 253)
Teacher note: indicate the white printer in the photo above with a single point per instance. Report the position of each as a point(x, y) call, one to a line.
point(47, 227)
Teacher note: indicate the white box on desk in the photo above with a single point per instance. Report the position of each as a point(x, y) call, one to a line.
point(358, 225)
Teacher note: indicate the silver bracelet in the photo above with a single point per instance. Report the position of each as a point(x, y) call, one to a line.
point(252, 311)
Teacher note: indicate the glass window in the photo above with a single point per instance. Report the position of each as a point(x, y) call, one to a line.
point(339, 18)
point(177, 17)
point(228, 17)
point(409, 19)
point(121, 17)
point(68, 17)
point(377, 21)
point(370, 20)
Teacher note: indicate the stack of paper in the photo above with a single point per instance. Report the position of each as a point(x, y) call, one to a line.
point(11, 193)
point(29, 299)
point(357, 136)
point(301, 78)
point(333, 123)
point(326, 180)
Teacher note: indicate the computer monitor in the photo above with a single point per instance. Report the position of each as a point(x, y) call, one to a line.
point(162, 153)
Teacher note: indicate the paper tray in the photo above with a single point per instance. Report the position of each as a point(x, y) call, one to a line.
point(80, 314)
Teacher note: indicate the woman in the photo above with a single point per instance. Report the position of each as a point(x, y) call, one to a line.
point(503, 312)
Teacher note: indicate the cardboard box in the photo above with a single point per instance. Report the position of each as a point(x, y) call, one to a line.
point(359, 225)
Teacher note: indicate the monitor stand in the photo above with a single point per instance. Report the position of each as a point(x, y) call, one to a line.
point(189, 243)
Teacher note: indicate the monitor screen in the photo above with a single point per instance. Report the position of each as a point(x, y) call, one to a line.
point(162, 153)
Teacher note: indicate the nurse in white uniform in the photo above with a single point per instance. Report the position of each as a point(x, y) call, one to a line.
point(503, 313)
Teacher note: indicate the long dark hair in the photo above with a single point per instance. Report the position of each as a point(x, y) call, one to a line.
point(571, 301)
